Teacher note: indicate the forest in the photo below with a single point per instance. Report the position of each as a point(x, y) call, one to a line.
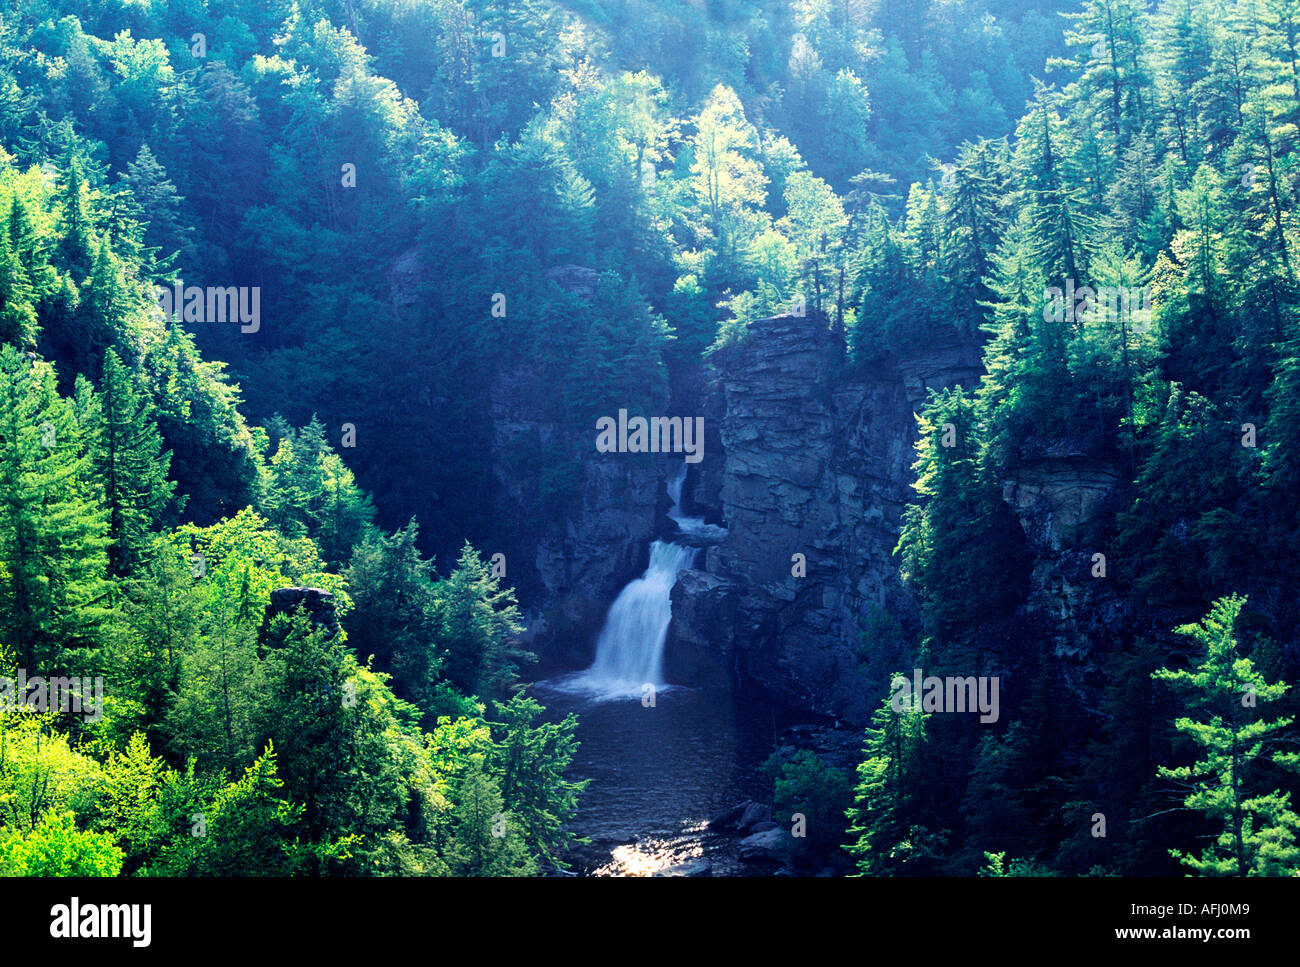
point(304, 547)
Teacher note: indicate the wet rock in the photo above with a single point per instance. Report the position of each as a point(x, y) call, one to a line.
point(700, 867)
point(744, 819)
point(726, 822)
point(615, 838)
point(754, 816)
point(838, 747)
point(762, 847)
point(699, 648)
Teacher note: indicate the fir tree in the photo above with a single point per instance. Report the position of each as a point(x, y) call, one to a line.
point(53, 532)
point(1257, 834)
point(128, 459)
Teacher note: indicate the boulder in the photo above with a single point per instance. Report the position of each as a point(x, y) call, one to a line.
point(762, 847)
point(725, 822)
point(696, 867)
point(754, 816)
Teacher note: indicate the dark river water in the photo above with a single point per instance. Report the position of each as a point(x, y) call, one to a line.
point(659, 774)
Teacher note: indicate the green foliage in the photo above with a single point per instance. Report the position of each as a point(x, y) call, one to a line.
point(477, 621)
point(812, 797)
point(1257, 834)
point(531, 761)
point(57, 848)
point(998, 867)
point(311, 491)
point(959, 545)
point(40, 772)
point(886, 834)
point(53, 532)
point(639, 182)
point(128, 460)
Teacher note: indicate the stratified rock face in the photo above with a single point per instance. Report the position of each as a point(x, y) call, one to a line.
point(1059, 497)
point(578, 279)
point(1056, 497)
point(404, 277)
point(567, 571)
point(814, 465)
point(703, 629)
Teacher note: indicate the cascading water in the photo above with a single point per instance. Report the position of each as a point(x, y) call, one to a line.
point(630, 649)
point(657, 776)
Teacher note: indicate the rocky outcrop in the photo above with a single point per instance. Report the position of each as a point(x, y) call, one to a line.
point(1057, 496)
point(567, 568)
point(808, 465)
point(815, 473)
point(1060, 496)
point(578, 279)
point(703, 629)
point(763, 847)
point(316, 603)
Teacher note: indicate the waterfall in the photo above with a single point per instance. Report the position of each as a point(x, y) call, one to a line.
point(630, 649)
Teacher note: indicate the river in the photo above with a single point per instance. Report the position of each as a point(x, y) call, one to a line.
point(658, 774)
point(662, 759)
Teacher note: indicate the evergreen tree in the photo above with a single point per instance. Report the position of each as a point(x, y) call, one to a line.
point(478, 620)
point(17, 314)
point(531, 761)
point(1257, 831)
point(53, 530)
point(886, 832)
point(128, 459)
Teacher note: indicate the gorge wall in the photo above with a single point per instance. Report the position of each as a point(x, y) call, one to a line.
point(816, 463)
point(802, 457)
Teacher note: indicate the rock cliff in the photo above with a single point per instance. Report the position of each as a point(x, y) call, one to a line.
point(814, 476)
point(808, 464)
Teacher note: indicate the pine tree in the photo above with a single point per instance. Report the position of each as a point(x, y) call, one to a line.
point(1257, 834)
point(394, 615)
point(1059, 223)
point(17, 314)
point(53, 533)
point(484, 839)
point(958, 545)
point(311, 491)
point(77, 230)
point(885, 834)
point(160, 204)
point(971, 229)
point(478, 620)
point(128, 458)
point(531, 760)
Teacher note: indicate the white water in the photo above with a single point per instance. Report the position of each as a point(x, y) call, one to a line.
point(690, 525)
point(630, 649)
